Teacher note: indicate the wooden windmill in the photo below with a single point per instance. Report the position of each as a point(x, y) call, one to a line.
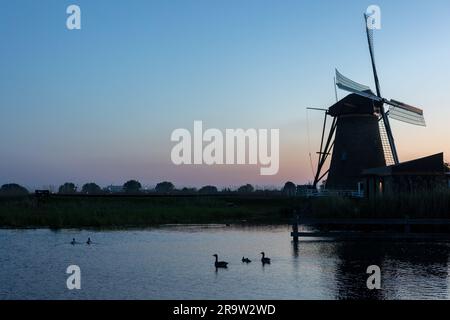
point(360, 136)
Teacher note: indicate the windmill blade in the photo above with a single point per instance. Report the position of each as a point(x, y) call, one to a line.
point(403, 112)
point(387, 125)
point(369, 32)
point(369, 35)
point(386, 144)
point(349, 85)
point(406, 107)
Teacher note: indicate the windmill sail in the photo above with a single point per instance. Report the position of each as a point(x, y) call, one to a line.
point(369, 32)
point(387, 150)
point(397, 110)
point(349, 85)
point(403, 112)
point(384, 117)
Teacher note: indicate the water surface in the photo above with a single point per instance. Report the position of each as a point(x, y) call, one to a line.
point(177, 263)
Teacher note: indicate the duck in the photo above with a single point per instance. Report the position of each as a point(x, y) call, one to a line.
point(219, 264)
point(246, 260)
point(265, 260)
point(73, 241)
point(88, 241)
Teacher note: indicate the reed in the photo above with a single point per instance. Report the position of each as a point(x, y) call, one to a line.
point(116, 212)
point(406, 205)
point(123, 212)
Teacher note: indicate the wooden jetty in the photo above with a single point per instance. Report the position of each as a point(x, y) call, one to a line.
point(352, 229)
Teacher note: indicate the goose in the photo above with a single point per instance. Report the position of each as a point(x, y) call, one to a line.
point(265, 260)
point(88, 241)
point(219, 264)
point(73, 241)
point(246, 260)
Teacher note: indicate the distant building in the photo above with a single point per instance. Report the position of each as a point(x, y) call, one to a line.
point(114, 189)
point(424, 174)
point(305, 190)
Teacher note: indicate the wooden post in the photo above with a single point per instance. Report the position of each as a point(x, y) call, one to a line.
point(407, 226)
point(295, 229)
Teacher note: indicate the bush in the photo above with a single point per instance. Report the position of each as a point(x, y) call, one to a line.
point(132, 186)
point(67, 188)
point(164, 187)
point(208, 190)
point(248, 188)
point(289, 189)
point(91, 188)
point(13, 189)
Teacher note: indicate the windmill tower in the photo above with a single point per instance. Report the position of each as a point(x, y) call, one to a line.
point(360, 136)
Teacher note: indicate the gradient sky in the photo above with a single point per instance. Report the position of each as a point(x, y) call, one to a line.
point(99, 104)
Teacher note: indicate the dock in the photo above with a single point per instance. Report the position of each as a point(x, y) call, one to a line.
point(354, 234)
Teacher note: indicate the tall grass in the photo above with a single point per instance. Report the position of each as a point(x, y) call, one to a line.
point(69, 212)
point(406, 205)
point(117, 212)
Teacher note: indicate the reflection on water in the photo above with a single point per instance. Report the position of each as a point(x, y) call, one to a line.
point(175, 262)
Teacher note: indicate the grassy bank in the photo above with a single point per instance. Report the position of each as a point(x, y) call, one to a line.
point(121, 212)
point(117, 212)
point(408, 205)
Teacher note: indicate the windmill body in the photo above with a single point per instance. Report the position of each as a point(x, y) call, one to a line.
point(357, 142)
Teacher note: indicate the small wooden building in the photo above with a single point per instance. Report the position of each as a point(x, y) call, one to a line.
point(424, 174)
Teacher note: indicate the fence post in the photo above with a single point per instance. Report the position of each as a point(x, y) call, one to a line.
point(407, 225)
point(295, 228)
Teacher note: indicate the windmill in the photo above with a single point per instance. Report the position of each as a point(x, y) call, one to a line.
point(360, 136)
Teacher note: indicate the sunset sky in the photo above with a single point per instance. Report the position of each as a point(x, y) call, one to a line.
point(99, 104)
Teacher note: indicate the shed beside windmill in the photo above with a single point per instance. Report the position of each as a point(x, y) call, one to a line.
point(419, 175)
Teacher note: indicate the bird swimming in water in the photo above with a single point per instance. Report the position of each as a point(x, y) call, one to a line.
point(246, 260)
point(73, 241)
point(88, 241)
point(219, 264)
point(265, 260)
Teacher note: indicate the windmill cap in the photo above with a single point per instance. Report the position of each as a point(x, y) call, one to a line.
point(354, 104)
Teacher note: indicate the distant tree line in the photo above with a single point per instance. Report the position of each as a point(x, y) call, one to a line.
point(135, 187)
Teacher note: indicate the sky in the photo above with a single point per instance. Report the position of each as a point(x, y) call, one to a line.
point(99, 104)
